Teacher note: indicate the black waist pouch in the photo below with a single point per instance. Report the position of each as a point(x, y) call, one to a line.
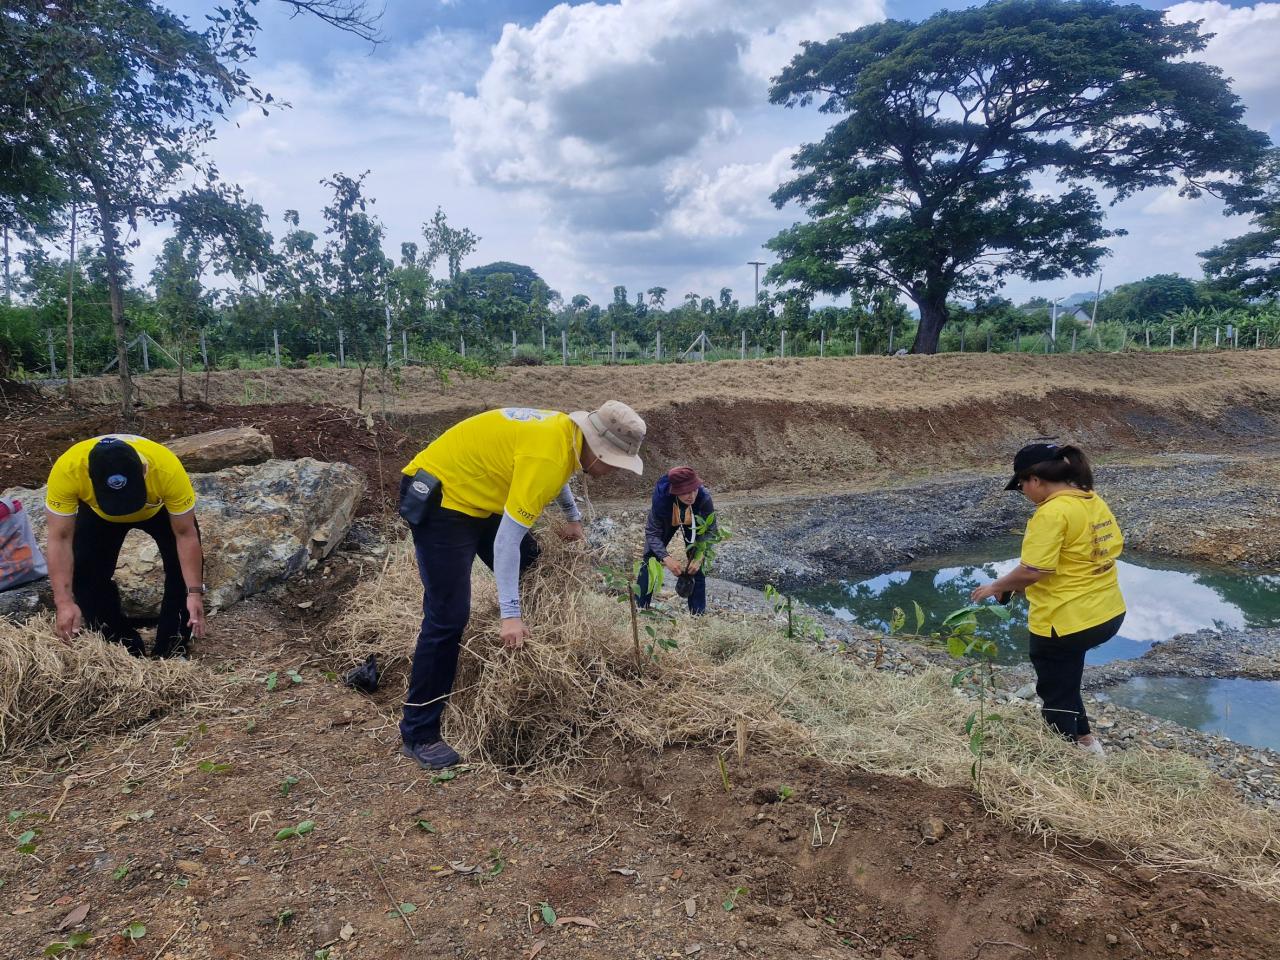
point(417, 496)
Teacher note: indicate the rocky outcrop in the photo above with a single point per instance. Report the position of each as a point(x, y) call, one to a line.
point(259, 525)
point(218, 449)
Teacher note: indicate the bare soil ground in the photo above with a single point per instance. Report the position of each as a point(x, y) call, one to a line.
point(173, 827)
point(831, 423)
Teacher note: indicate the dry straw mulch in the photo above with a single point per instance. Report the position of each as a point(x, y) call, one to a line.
point(576, 693)
point(53, 692)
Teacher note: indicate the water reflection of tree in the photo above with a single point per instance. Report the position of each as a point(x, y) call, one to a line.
point(1258, 598)
point(1184, 700)
point(938, 592)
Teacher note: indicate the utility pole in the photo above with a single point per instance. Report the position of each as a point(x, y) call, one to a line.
point(757, 264)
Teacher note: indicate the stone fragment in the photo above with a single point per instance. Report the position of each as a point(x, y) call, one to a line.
point(217, 449)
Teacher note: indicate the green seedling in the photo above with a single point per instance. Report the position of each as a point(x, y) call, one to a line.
point(294, 676)
point(548, 913)
point(134, 931)
point(322, 954)
point(120, 872)
point(301, 830)
point(402, 910)
point(785, 793)
point(284, 918)
point(960, 637)
point(425, 826)
point(273, 680)
point(731, 904)
point(289, 783)
point(496, 864)
point(27, 842)
point(73, 942)
point(136, 817)
point(209, 766)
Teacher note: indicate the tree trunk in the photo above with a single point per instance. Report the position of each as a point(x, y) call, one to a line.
point(71, 285)
point(8, 280)
point(933, 317)
point(111, 253)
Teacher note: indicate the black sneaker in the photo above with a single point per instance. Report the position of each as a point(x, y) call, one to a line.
point(432, 756)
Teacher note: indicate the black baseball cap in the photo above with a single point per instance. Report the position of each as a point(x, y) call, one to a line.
point(118, 479)
point(1028, 457)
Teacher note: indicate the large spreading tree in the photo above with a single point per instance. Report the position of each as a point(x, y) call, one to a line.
point(1250, 263)
point(970, 147)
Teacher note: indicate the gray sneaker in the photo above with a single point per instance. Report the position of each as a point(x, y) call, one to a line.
point(432, 756)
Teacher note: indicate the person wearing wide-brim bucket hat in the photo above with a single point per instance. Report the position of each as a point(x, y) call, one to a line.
point(1068, 571)
point(476, 491)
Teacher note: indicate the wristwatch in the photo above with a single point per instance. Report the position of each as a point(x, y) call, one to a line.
point(202, 589)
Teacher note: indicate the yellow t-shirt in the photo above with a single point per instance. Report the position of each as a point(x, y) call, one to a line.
point(513, 460)
point(167, 482)
point(1074, 536)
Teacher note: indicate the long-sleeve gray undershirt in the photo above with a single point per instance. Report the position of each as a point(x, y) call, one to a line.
point(506, 553)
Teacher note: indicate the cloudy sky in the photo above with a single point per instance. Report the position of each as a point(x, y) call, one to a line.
point(618, 143)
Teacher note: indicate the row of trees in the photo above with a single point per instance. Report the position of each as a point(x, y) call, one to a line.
point(922, 188)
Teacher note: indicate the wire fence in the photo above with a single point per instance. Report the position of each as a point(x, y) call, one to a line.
point(403, 348)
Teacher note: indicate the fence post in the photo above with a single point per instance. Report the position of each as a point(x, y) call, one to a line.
point(544, 338)
point(1019, 341)
point(513, 341)
point(146, 354)
point(962, 339)
point(1217, 336)
point(1073, 340)
point(702, 347)
point(564, 348)
point(613, 346)
point(857, 341)
point(822, 342)
point(742, 354)
point(1195, 338)
point(53, 363)
point(275, 339)
point(1237, 338)
point(1257, 339)
point(782, 348)
point(404, 345)
point(1147, 331)
point(462, 345)
point(657, 348)
point(342, 348)
point(891, 338)
point(1171, 338)
point(204, 350)
point(988, 341)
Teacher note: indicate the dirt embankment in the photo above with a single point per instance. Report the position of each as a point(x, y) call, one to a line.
point(831, 423)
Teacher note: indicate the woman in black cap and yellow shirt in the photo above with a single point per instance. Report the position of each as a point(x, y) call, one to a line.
point(1068, 571)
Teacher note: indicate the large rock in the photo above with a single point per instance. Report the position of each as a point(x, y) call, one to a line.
point(259, 525)
point(218, 449)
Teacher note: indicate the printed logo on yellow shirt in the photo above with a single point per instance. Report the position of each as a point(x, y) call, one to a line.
point(526, 413)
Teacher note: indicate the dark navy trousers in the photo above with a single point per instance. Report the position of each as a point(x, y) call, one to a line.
point(1059, 666)
point(697, 599)
point(447, 543)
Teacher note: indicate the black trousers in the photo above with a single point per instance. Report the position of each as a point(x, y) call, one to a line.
point(96, 550)
point(1059, 665)
point(446, 543)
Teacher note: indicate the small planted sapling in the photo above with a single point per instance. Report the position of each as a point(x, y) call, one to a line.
point(962, 640)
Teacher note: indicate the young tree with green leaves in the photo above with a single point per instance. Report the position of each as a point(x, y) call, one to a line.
point(356, 272)
point(924, 185)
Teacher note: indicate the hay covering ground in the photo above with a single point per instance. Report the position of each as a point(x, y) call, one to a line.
point(576, 694)
point(54, 692)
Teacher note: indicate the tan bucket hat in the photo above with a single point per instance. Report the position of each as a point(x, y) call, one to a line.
point(615, 433)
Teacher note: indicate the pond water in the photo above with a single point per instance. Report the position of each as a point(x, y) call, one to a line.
point(1163, 598)
point(1244, 710)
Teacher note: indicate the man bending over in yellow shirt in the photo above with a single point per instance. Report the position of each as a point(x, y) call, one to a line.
point(476, 491)
point(99, 490)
